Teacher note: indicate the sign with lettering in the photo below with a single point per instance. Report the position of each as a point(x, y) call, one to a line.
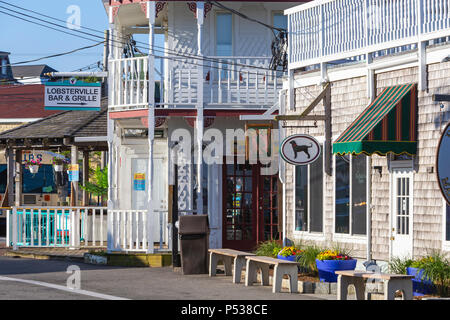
point(73, 172)
point(139, 181)
point(300, 149)
point(72, 95)
point(443, 163)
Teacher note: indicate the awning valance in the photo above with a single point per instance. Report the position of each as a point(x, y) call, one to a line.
point(388, 124)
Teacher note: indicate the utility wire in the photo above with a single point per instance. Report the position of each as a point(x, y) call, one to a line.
point(161, 57)
point(191, 56)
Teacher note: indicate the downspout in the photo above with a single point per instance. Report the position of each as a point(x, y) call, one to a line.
point(369, 210)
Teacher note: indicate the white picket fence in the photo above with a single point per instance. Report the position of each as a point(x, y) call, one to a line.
point(128, 231)
point(57, 227)
point(328, 30)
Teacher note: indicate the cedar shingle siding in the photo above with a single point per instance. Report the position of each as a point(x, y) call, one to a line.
point(348, 100)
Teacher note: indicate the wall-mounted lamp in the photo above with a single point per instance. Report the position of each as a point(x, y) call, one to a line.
point(430, 169)
point(379, 169)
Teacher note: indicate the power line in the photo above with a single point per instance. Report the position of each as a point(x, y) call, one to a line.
point(192, 56)
point(56, 55)
point(162, 57)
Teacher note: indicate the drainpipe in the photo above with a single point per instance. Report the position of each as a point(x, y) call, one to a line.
point(369, 210)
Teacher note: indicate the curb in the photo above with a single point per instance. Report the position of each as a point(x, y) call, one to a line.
point(130, 260)
point(28, 255)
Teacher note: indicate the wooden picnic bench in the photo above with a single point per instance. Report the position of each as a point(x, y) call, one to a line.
point(228, 256)
point(392, 283)
point(282, 267)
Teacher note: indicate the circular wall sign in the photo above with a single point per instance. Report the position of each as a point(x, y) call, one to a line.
point(443, 163)
point(300, 149)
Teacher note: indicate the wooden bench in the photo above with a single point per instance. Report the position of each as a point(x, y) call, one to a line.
point(228, 256)
point(392, 283)
point(282, 267)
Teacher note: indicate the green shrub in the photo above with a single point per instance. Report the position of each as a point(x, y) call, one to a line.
point(307, 260)
point(399, 265)
point(436, 267)
point(269, 249)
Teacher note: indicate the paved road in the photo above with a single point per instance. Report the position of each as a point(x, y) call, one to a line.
point(47, 279)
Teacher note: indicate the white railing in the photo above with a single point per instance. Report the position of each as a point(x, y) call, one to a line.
point(328, 30)
point(57, 227)
point(128, 230)
point(226, 81)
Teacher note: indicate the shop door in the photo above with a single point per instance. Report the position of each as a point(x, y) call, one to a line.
point(250, 206)
point(402, 213)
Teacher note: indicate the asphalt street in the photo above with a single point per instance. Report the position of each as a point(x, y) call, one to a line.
point(47, 280)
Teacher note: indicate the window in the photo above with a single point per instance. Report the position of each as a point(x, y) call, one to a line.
point(447, 224)
point(224, 34)
point(350, 194)
point(279, 21)
point(3, 177)
point(309, 196)
point(41, 182)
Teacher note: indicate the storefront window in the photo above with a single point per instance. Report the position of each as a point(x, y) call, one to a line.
point(40, 182)
point(342, 197)
point(353, 215)
point(3, 177)
point(309, 205)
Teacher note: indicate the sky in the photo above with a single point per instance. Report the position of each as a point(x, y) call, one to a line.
point(26, 41)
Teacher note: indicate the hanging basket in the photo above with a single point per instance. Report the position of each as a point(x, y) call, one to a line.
point(58, 167)
point(34, 168)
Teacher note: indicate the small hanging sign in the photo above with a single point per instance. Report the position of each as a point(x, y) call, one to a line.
point(139, 181)
point(73, 172)
point(300, 149)
point(72, 95)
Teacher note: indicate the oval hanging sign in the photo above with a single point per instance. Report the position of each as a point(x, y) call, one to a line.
point(443, 163)
point(300, 149)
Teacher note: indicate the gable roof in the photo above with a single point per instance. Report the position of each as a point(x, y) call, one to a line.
point(23, 102)
point(37, 70)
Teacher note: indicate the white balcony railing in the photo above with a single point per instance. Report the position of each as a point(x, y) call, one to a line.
point(328, 30)
point(227, 82)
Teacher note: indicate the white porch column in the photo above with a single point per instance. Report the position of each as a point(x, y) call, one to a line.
point(151, 121)
point(199, 122)
point(110, 137)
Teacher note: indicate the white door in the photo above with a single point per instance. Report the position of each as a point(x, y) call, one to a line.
point(402, 213)
point(139, 189)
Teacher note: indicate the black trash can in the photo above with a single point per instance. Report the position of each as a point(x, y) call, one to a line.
point(193, 233)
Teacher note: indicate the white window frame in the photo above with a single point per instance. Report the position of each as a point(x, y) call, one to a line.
point(350, 237)
point(308, 234)
point(233, 38)
point(445, 242)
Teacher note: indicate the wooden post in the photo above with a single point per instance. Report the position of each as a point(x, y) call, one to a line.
point(10, 176)
point(176, 261)
point(18, 178)
point(85, 177)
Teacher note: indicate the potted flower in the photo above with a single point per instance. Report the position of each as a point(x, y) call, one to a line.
point(289, 253)
point(58, 164)
point(422, 284)
point(33, 165)
point(329, 261)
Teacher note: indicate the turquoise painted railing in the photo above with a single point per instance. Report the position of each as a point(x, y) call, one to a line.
point(57, 226)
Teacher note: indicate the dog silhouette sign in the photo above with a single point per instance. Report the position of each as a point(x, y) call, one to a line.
point(300, 149)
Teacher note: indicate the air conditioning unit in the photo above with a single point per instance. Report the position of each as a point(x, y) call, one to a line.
point(29, 199)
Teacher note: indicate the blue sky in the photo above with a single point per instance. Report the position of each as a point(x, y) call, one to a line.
point(26, 41)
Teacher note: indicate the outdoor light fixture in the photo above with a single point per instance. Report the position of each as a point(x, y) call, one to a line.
point(379, 169)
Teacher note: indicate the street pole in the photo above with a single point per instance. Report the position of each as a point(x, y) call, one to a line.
point(176, 261)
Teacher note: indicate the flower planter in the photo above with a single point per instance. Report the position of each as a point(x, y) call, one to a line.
point(421, 286)
point(288, 258)
point(327, 268)
point(34, 168)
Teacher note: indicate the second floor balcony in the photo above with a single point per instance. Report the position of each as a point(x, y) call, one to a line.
point(226, 82)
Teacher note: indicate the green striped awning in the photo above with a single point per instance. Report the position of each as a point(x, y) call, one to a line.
point(388, 124)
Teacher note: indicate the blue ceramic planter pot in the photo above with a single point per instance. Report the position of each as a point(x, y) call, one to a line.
point(327, 268)
point(420, 286)
point(288, 258)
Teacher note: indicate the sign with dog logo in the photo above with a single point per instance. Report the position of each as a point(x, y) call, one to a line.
point(300, 149)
